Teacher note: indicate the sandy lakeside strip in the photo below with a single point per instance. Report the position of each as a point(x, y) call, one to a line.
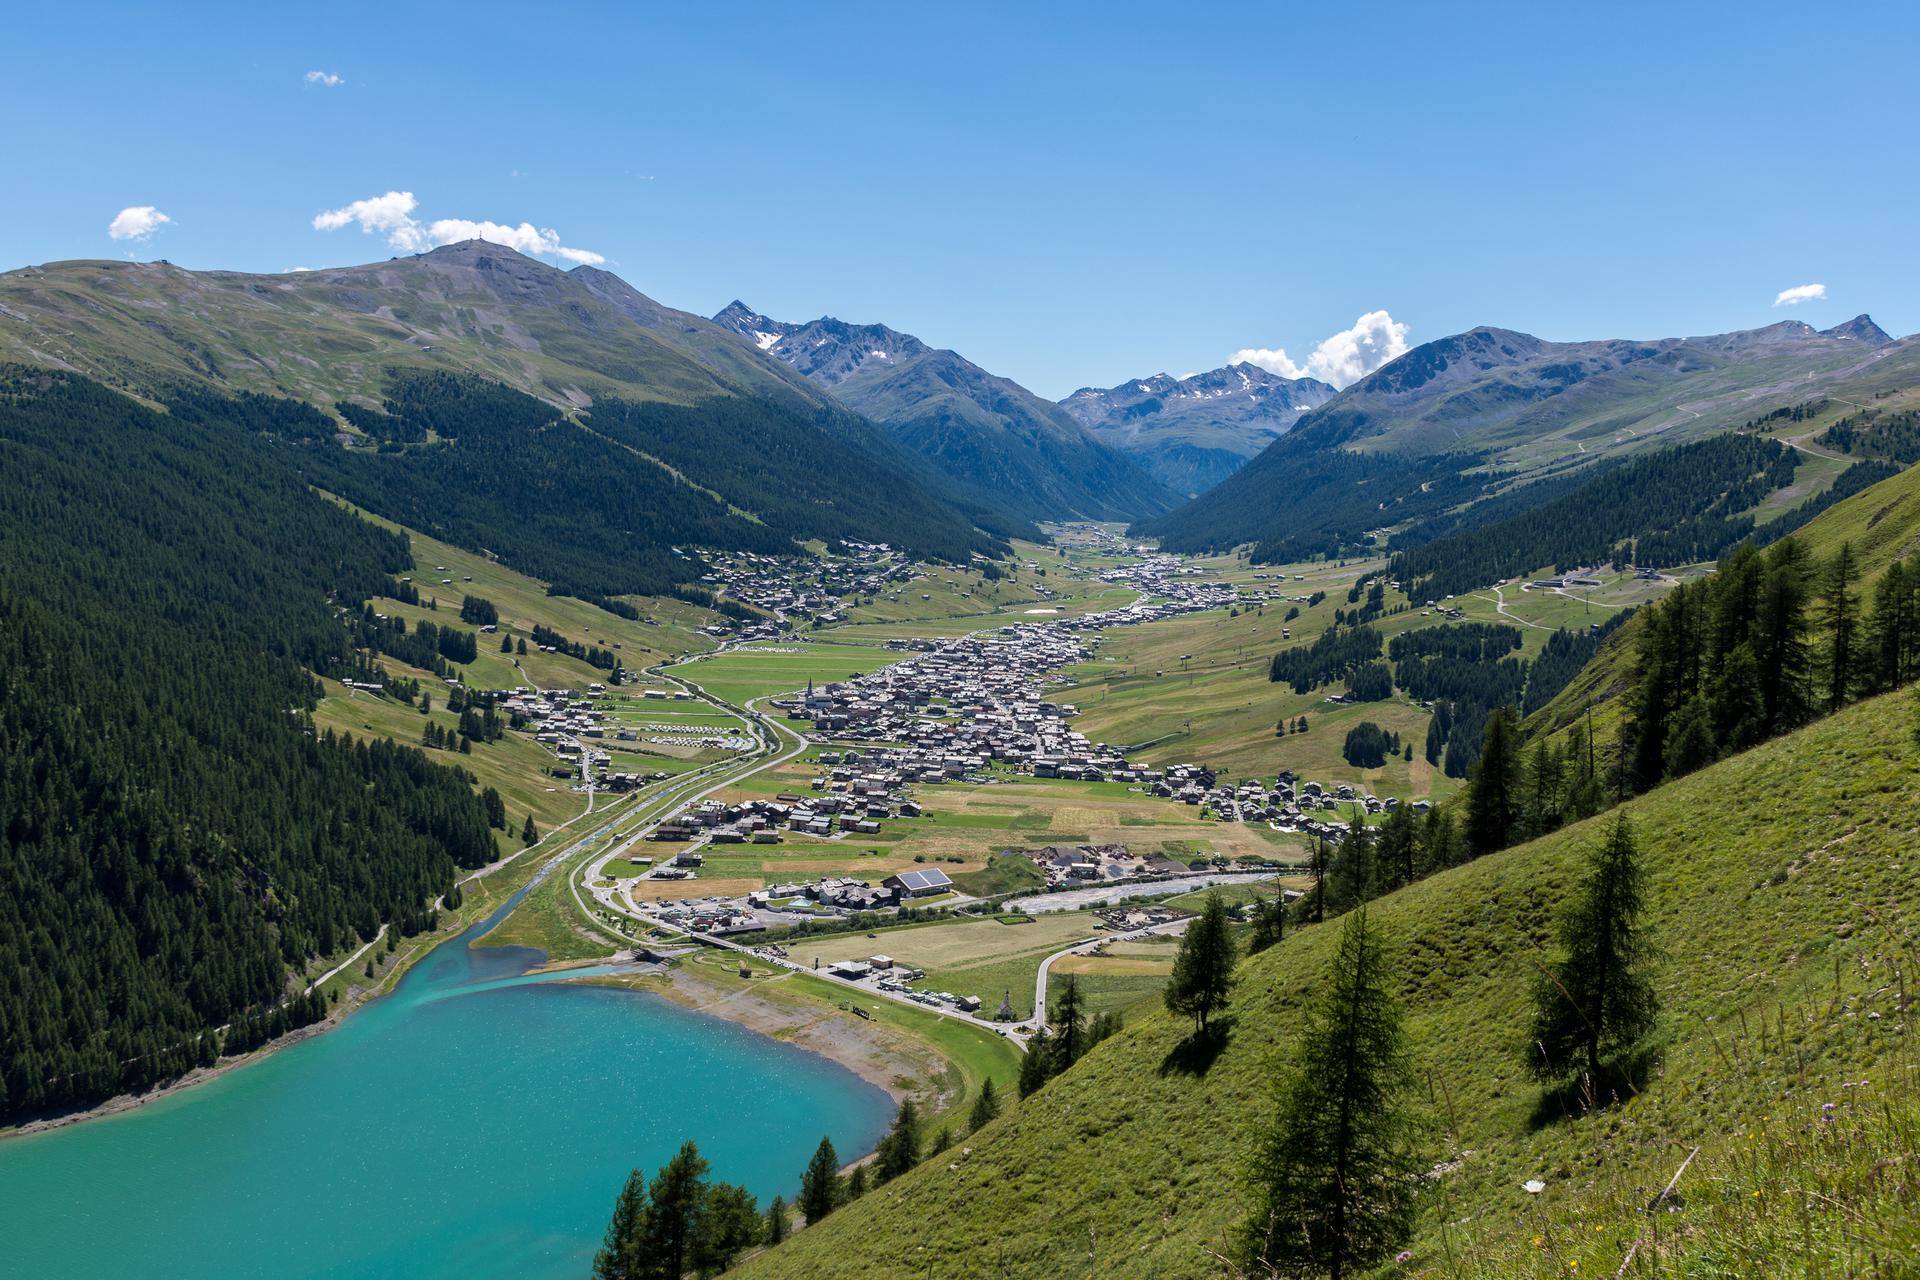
point(902, 1064)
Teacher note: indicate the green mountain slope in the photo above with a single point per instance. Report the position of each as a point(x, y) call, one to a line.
point(1782, 886)
point(1421, 436)
point(1881, 523)
point(644, 428)
point(177, 839)
point(329, 335)
point(979, 428)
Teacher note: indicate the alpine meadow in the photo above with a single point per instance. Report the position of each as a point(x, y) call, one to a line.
point(1298, 656)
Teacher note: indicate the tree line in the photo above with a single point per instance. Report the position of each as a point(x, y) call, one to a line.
point(180, 838)
point(1672, 507)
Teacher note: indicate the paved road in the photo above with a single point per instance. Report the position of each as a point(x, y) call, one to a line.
point(1103, 894)
point(1081, 948)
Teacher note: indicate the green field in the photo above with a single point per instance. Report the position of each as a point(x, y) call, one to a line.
point(1781, 886)
point(984, 958)
point(758, 671)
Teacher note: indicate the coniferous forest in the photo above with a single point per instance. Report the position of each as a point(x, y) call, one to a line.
point(175, 838)
point(597, 506)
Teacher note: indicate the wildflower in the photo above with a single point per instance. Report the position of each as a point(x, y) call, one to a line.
point(1404, 1257)
point(1826, 1112)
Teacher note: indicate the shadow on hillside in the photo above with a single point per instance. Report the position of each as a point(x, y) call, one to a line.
point(1194, 1056)
point(1621, 1077)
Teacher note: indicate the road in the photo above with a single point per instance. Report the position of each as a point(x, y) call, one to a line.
point(1082, 948)
point(1104, 894)
point(334, 972)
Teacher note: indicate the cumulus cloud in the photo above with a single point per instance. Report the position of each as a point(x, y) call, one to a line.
point(136, 222)
point(1800, 293)
point(325, 79)
point(1340, 359)
point(391, 215)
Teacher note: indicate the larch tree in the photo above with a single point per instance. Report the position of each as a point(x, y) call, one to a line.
point(1334, 1176)
point(679, 1194)
point(1035, 1067)
point(1269, 922)
point(620, 1256)
point(820, 1184)
point(1493, 793)
point(1840, 615)
point(899, 1151)
point(1069, 1025)
point(1596, 1001)
point(1203, 968)
point(985, 1107)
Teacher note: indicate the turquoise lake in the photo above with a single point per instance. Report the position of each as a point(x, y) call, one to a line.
point(468, 1125)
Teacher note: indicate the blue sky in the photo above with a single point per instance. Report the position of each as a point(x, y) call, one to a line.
point(1067, 195)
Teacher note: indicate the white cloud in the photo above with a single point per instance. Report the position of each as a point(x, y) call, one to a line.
point(1343, 358)
point(136, 222)
point(325, 79)
point(526, 238)
point(1800, 293)
point(392, 215)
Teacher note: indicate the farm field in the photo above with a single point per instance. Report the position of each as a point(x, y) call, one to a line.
point(762, 670)
point(984, 958)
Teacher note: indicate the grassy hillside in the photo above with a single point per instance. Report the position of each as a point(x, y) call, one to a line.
point(1881, 523)
point(1781, 891)
point(330, 335)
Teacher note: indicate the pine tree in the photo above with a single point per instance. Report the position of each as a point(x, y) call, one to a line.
point(985, 1108)
point(941, 1141)
point(899, 1151)
point(1317, 862)
point(1781, 644)
point(1840, 615)
point(1493, 793)
point(1690, 744)
point(1203, 969)
point(1269, 922)
point(820, 1184)
point(1596, 1001)
point(856, 1184)
point(776, 1230)
point(1034, 1067)
point(620, 1256)
point(506, 643)
point(1069, 1027)
point(1334, 1180)
point(529, 834)
point(726, 1223)
point(678, 1193)
point(1352, 872)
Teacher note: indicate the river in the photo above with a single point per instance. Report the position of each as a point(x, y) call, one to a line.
point(467, 1125)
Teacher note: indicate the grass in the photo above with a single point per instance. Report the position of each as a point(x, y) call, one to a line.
point(516, 766)
point(1782, 885)
point(758, 671)
point(982, 958)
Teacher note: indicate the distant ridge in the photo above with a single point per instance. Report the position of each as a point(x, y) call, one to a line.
point(1194, 432)
point(974, 426)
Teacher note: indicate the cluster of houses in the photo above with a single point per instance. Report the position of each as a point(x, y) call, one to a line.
point(955, 708)
point(811, 589)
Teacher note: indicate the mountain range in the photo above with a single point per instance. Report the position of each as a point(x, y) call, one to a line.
point(680, 431)
point(973, 425)
point(1483, 412)
point(1194, 432)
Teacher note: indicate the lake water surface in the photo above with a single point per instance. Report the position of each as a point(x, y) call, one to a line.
point(467, 1125)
